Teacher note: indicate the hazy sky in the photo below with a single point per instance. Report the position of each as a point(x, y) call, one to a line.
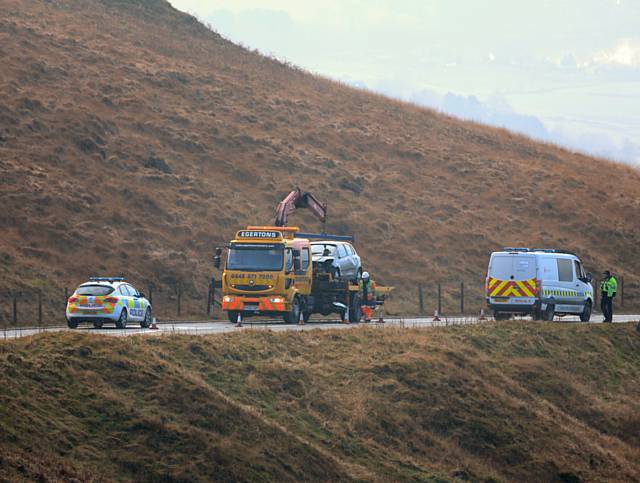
point(562, 70)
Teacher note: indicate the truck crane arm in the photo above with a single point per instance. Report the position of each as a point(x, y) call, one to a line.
point(299, 199)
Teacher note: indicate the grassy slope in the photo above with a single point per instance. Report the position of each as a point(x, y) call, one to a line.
point(507, 401)
point(93, 92)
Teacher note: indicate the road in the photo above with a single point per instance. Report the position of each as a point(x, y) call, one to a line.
point(223, 327)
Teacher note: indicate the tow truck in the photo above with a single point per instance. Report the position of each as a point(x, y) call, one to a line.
point(269, 272)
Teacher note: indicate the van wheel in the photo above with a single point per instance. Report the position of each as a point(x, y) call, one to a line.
point(232, 315)
point(72, 324)
point(536, 314)
point(585, 316)
point(501, 316)
point(97, 324)
point(549, 313)
point(293, 316)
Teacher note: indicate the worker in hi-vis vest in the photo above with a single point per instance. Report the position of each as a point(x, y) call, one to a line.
point(368, 290)
point(608, 289)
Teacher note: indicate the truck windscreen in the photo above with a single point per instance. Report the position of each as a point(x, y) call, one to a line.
point(255, 257)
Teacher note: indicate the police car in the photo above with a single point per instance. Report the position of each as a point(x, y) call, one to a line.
point(539, 282)
point(108, 299)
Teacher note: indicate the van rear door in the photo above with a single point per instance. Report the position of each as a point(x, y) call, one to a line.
point(512, 278)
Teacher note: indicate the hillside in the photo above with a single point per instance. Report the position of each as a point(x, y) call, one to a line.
point(134, 140)
point(512, 403)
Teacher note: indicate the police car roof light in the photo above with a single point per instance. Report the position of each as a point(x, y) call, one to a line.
point(106, 279)
point(324, 236)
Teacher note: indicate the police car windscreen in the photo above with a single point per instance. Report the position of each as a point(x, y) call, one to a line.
point(255, 257)
point(94, 290)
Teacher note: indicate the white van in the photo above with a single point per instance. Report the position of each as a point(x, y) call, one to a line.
point(539, 282)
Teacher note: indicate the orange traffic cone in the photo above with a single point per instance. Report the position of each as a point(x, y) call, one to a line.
point(239, 320)
point(435, 316)
point(301, 319)
point(482, 316)
point(154, 325)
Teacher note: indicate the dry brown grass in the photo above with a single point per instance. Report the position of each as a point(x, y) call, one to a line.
point(506, 402)
point(93, 92)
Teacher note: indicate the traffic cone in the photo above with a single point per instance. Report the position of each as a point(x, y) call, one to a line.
point(482, 316)
point(435, 316)
point(154, 325)
point(301, 319)
point(239, 320)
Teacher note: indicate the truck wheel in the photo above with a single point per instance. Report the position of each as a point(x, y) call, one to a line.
point(355, 311)
point(549, 313)
point(293, 316)
point(72, 324)
point(585, 316)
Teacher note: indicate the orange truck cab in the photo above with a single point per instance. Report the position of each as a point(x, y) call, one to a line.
point(268, 272)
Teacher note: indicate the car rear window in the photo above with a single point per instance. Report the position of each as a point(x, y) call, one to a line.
point(94, 290)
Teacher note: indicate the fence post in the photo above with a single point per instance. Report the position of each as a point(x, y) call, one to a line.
point(439, 299)
point(39, 308)
point(179, 297)
point(461, 298)
point(15, 309)
point(421, 299)
point(621, 291)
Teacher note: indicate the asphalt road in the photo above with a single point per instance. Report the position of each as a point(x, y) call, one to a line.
point(222, 327)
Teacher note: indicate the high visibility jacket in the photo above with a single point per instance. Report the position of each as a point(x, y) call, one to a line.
point(609, 286)
point(368, 289)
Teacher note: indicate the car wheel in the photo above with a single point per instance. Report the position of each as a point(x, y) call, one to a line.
point(121, 323)
point(72, 324)
point(293, 316)
point(335, 273)
point(358, 276)
point(549, 313)
point(146, 322)
point(585, 316)
point(97, 324)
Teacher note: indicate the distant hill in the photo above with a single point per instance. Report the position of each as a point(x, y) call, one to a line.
point(508, 402)
point(134, 140)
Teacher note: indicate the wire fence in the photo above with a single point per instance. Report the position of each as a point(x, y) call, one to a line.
point(201, 301)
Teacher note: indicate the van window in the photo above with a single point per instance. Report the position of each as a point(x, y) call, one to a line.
point(579, 270)
point(524, 267)
point(501, 267)
point(565, 270)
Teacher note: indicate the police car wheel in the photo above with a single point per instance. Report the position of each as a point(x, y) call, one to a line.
point(146, 322)
point(72, 324)
point(121, 323)
point(97, 324)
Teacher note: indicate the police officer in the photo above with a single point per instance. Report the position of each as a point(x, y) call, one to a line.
point(608, 289)
point(368, 289)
